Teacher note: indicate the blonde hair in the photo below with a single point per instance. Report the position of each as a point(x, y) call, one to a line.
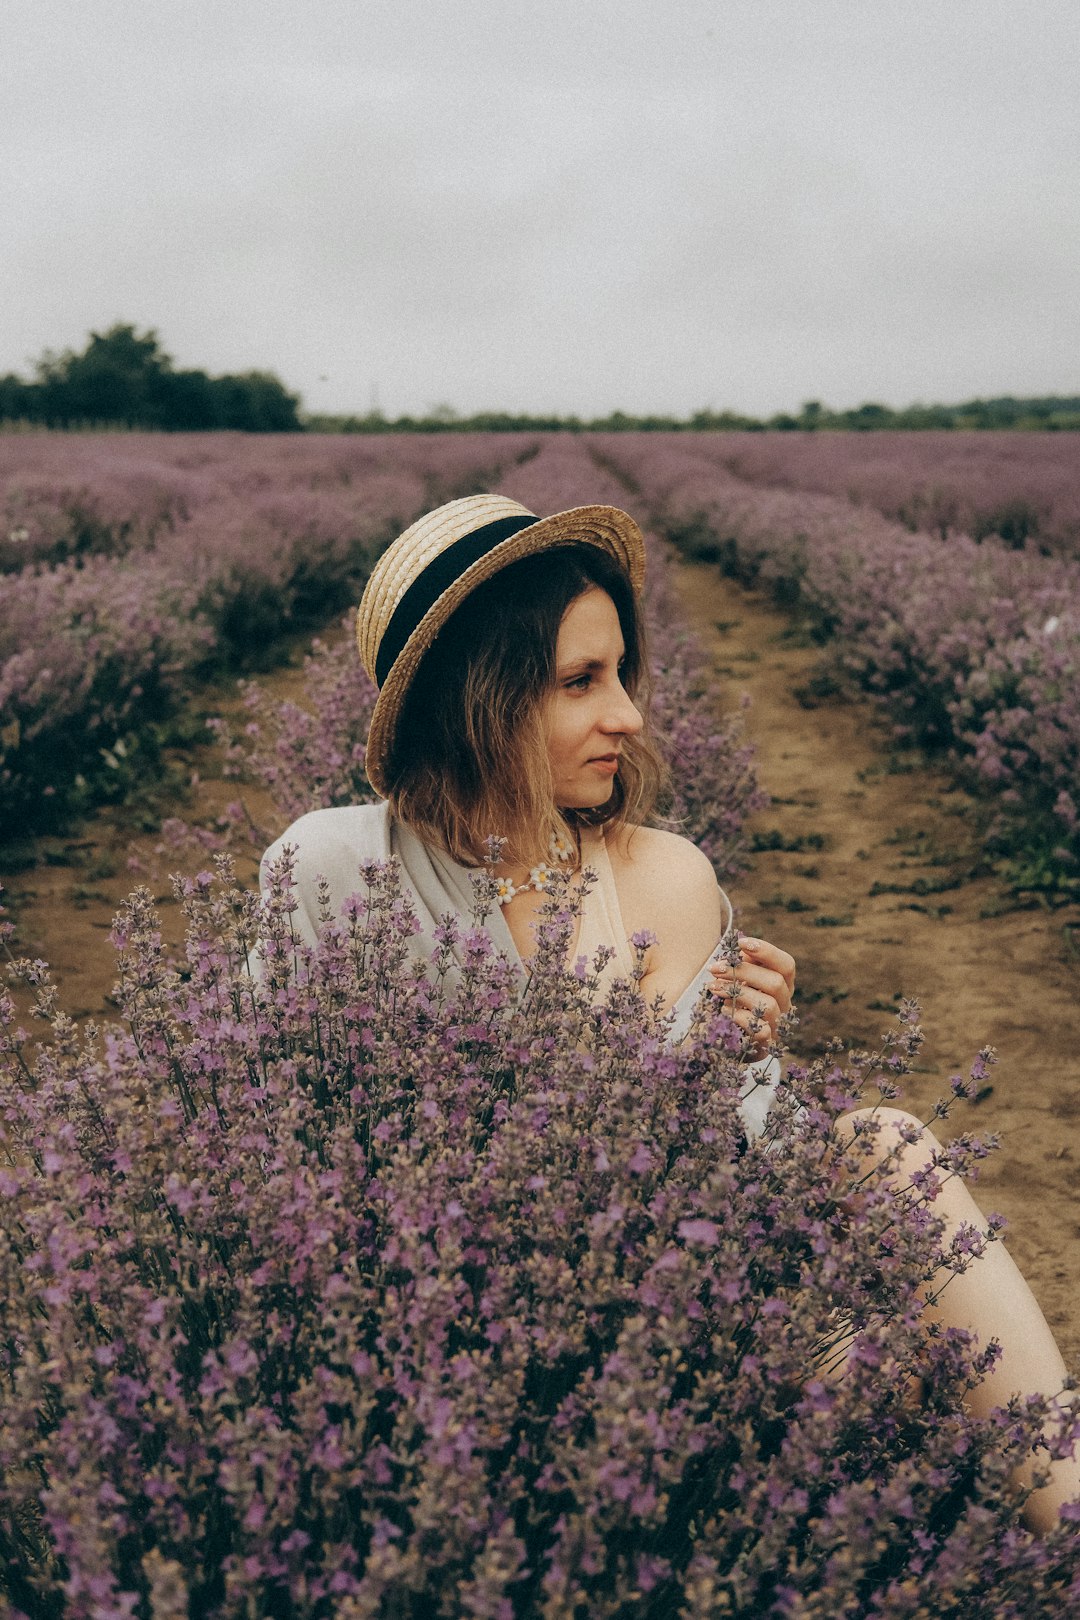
point(470, 758)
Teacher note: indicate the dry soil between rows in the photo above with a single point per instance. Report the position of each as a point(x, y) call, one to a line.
point(868, 890)
point(871, 894)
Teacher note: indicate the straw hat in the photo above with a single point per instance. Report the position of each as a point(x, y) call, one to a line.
point(429, 570)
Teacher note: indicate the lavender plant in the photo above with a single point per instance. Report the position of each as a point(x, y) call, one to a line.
point(340, 1282)
point(307, 755)
point(714, 785)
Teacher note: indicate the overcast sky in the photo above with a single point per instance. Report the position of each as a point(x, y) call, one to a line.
point(573, 205)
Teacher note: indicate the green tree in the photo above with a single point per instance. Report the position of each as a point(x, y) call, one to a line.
point(124, 376)
point(255, 402)
point(116, 379)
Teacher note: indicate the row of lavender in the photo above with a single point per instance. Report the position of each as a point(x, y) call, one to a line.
point(972, 648)
point(1022, 487)
point(352, 1289)
point(145, 559)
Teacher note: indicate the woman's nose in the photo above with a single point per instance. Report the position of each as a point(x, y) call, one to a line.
point(624, 717)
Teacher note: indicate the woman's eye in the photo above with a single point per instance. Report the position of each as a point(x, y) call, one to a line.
point(580, 683)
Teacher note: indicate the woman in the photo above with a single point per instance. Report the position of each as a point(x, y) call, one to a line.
point(509, 656)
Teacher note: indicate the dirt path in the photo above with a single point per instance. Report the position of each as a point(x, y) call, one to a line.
point(64, 906)
point(866, 882)
point(869, 887)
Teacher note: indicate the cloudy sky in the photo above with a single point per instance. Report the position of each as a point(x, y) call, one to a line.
point(577, 205)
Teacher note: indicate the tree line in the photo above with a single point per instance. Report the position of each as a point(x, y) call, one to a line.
point(124, 379)
point(1053, 413)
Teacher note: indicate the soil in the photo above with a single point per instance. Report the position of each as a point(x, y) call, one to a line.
point(864, 872)
point(63, 904)
point(873, 890)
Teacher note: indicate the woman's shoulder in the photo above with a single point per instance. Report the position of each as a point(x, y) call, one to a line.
point(660, 856)
point(666, 884)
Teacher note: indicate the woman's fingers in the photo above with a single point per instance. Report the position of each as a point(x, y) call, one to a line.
point(766, 980)
point(762, 954)
point(761, 1032)
point(757, 993)
point(751, 1008)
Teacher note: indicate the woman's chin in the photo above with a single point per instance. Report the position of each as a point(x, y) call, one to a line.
point(588, 799)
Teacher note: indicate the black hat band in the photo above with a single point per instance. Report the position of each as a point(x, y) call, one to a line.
point(436, 579)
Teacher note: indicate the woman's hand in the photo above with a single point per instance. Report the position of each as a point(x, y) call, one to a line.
point(757, 993)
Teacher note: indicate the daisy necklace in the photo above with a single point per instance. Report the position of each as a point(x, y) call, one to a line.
point(540, 878)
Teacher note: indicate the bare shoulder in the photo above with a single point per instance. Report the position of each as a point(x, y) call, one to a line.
point(666, 885)
point(652, 857)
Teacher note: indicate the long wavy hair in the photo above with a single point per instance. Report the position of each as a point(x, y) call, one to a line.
point(470, 756)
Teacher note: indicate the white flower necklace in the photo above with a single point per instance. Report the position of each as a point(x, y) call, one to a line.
point(541, 877)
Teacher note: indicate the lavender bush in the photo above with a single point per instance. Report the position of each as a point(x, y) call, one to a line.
point(1022, 487)
point(88, 656)
point(714, 781)
point(368, 1286)
point(971, 649)
point(71, 495)
point(307, 755)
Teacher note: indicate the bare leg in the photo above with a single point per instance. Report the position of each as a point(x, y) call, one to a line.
point(992, 1300)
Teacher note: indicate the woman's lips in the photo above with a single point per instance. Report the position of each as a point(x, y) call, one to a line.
point(606, 762)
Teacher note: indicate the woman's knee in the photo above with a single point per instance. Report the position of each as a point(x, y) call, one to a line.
point(888, 1132)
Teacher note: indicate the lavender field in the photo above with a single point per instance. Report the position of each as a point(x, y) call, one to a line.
point(971, 647)
point(132, 565)
point(1023, 488)
point(135, 565)
point(347, 1289)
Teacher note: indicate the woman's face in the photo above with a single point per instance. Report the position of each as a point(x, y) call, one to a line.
point(589, 715)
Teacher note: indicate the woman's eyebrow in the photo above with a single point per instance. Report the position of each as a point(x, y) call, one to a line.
point(582, 665)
